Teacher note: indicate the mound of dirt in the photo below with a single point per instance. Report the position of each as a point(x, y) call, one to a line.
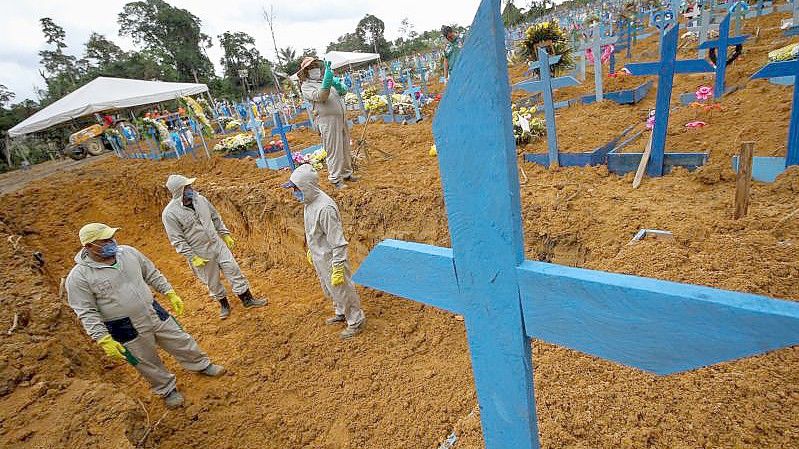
point(406, 381)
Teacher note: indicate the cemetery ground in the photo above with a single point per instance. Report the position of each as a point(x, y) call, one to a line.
point(406, 381)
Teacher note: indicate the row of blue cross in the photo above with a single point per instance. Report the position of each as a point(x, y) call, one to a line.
point(658, 326)
point(665, 69)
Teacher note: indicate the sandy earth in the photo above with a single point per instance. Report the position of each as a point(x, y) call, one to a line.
point(406, 382)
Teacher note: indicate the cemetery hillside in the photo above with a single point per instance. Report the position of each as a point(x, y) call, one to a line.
point(549, 226)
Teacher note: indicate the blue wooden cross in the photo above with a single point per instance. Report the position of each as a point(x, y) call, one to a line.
point(704, 25)
point(545, 85)
point(780, 69)
point(665, 70)
point(595, 44)
point(658, 326)
point(357, 85)
point(721, 45)
point(738, 10)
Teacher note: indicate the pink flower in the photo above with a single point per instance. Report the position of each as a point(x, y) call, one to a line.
point(703, 93)
point(695, 124)
point(650, 122)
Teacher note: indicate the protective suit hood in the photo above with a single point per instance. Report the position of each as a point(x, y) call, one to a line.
point(307, 180)
point(176, 183)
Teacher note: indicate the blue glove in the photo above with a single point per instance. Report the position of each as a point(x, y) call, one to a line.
point(327, 81)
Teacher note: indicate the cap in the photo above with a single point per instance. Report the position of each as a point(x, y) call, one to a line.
point(306, 61)
point(96, 231)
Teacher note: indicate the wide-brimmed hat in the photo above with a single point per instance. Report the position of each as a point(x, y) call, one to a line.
point(306, 61)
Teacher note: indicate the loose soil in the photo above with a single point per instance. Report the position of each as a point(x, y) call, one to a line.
point(406, 381)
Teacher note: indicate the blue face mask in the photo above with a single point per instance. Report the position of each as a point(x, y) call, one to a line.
point(188, 195)
point(109, 249)
point(298, 195)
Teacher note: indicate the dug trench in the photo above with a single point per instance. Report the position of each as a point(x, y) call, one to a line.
point(406, 381)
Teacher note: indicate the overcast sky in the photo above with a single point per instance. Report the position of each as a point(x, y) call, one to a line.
point(299, 23)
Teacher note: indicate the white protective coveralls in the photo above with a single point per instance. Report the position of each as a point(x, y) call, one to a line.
point(117, 300)
point(330, 117)
point(197, 232)
point(324, 235)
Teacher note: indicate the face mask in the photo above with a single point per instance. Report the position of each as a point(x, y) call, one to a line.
point(315, 74)
point(188, 195)
point(298, 195)
point(109, 249)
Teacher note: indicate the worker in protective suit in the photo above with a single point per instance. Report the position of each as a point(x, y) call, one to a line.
point(198, 233)
point(327, 249)
point(326, 95)
point(109, 290)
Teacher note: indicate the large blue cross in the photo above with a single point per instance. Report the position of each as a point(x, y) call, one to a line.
point(780, 69)
point(659, 326)
point(721, 45)
point(545, 85)
point(665, 70)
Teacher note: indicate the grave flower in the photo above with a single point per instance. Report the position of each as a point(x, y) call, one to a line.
point(704, 93)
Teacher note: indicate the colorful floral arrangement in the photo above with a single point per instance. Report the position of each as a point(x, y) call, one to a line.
point(196, 111)
point(316, 159)
point(526, 126)
point(236, 143)
point(161, 132)
point(785, 53)
point(350, 99)
point(232, 124)
point(556, 40)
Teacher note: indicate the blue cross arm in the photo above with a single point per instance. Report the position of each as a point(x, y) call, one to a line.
point(680, 66)
point(731, 41)
point(775, 69)
point(658, 326)
point(538, 86)
point(419, 272)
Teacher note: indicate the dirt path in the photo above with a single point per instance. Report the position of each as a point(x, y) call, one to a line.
point(17, 179)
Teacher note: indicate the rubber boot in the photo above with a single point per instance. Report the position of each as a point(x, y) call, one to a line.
point(213, 370)
point(353, 330)
point(174, 399)
point(335, 319)
point(224, 308)
point(250, 302)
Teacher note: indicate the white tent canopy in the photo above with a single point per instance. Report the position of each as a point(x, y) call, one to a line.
point(342, 58)
point(102, 94)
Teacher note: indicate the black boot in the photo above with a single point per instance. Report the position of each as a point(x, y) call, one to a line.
point(224, 308)
point(249, 302)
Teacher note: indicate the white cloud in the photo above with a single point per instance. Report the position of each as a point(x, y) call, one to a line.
point(299, 24)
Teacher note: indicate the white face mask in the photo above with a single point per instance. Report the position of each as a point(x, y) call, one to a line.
point(315, 74)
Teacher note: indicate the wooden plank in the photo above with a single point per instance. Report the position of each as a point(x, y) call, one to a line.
point(658, 326)
point(743, 179)
point(639, 174)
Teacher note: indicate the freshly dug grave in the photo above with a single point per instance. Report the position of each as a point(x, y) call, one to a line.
point(406, 382)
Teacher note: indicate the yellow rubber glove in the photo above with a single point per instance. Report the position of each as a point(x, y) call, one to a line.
point(177, 303)
point(228, 241)
point(198, 261)
point(112, 348)
point(337, 275)
point(308, 256)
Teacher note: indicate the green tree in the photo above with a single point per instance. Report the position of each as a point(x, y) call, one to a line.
point(511, 15)
point(5, 95)
point(370, 29)
point(59, 69)
point(291, 62)
point(240, 54)
point(348, 42)
point(172, 34)
point(101, 52)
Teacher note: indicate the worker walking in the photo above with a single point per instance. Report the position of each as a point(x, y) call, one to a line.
point(327, 249)
point(453, 48)
point(198, 233)
point(328, 107)
point(109, 290)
